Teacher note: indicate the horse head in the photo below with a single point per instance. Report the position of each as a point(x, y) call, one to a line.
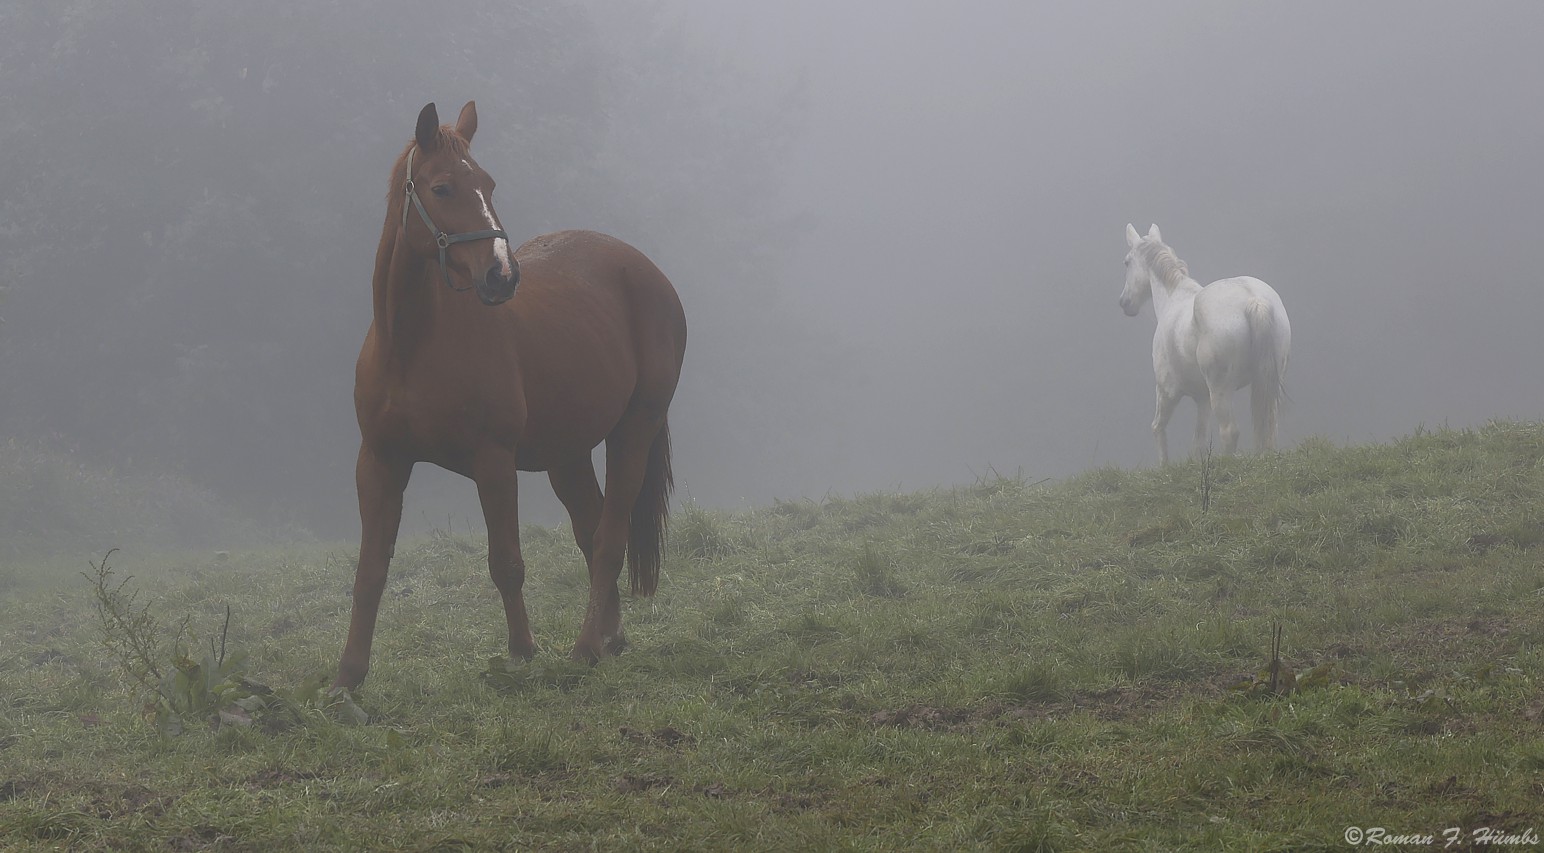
point(1139, 277)
point(453, 198)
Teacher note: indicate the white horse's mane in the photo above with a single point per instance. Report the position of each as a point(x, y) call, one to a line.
point(1163, 263)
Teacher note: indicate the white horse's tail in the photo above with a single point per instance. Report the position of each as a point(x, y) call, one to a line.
point(1265, 389)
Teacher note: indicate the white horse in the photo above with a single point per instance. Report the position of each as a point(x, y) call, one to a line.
point(1211, 341)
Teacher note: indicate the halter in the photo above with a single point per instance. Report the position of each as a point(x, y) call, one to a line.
point(443, 240)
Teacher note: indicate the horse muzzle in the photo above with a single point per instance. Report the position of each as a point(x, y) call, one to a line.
point(496, 288)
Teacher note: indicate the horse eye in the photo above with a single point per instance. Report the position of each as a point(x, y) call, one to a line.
point(441, 190)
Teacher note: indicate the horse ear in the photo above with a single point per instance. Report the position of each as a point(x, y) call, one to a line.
point(428, 132)
point(1152, 231)
point(466, 124)
point(1132, 238)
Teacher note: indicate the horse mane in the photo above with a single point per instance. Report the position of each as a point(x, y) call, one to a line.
point(1165, 264)
point(396, 201)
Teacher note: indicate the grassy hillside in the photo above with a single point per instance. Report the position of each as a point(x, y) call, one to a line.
point(1077, 665)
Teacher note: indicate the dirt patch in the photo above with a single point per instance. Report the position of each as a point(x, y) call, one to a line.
point(633, 783)
point(111, 804)
point(1341, 651)
point(1079, 780)
point(145, 801)
point(795, 802)
point(1439, 645)
point(1138, 702)
point(785, 801)
point(924, 717)
point(201, 837)
point(1488, 627)
point(1450, 789)
point(48, 656)
point(668, 737)
point(1520, 536)
point(105, 800)
point(1169, 531)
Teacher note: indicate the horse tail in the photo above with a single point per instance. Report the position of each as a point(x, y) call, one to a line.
point(651, 515)
point(1266, 388)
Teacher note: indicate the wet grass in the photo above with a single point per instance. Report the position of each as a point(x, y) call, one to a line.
point(1003, 666)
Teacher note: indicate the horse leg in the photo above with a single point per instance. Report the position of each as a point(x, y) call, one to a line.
point(1262, 404)
point(1227, 424)
point(380, 483)
point(496, 478)
point(627, 457)
point(1166, 404)
point(576, 487)
point(1203, 425)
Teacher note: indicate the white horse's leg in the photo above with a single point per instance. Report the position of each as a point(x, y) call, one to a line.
point(1227, 425)
point(1166, 404)
point(1203, 426)
point(1263, 406)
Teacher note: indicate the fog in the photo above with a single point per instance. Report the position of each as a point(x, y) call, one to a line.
point(896, 227)
point(969, 172)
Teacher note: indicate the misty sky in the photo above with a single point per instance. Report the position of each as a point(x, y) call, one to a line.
point(896, 227)
point(966, 172)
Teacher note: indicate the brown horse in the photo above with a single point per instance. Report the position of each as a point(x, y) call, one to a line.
point(587, 349)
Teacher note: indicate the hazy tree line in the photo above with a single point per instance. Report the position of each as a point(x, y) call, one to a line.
point(192, 193)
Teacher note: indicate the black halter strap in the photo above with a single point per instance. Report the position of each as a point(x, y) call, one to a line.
point(443, 240)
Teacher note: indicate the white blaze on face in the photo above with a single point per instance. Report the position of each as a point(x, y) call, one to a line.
point(500, 245)
point(501, 251)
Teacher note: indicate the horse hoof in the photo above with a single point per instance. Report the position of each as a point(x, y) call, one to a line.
point(348, 679)
point(592, 653)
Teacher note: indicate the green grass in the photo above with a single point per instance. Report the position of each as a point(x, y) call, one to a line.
point(1003, 666)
